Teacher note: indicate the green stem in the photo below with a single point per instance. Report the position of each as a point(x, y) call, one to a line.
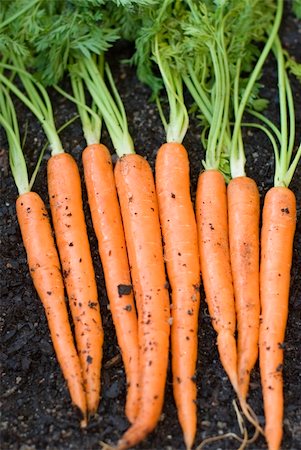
point(197, 93)
point(283, 113)
point(236, 150)
point(265, 120)
point(292, 119)
point(8, 119)
point(91, 125)
point(290, 172)
point(225, 80)
point(212, 161)
point(43, 113)
point(35, 172)
point(268, 133)
point(177, 126)
point(112, 111)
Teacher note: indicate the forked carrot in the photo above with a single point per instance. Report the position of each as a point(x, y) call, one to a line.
point(277, 235)
point(42, 257)
point(212, 221)
point(138, 202)
point(182, 261)
point(107, 224)
point(243, 216)
point(71, 236)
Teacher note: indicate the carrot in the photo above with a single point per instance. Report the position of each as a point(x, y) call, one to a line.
point(108, 228)
point(212, 221)
point(99, 179)
point(176, 211)
point(243, 215)
point(45, 271)
point(107, 223)
point(182, 260)
point(139, 211)
point(71, 235)
point(139, 208)
point(43, 260)
point(277, 235)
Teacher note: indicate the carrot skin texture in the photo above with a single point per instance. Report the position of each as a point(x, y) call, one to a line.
point(107, 223)
point(44, 266)
point(139, 208)
point(183, 268)
point(71, 236)
point(212, 223)
point(277, 235)
point(243, 216)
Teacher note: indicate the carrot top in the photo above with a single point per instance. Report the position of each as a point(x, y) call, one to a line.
point(75, 35)
point(108, 102)
point(154, 44)
point(8, 120)
point(90, 117)
point(283, 139)
point(67, 32)
point(212, 46)
point(37, 100)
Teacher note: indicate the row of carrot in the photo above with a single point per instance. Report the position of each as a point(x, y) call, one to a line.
point(130, 211)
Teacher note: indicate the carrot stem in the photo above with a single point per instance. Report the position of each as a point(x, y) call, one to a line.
point(113, 114)
point(42, 110)
point(237, 156)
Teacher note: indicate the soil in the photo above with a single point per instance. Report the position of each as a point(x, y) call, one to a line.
point(36, 410)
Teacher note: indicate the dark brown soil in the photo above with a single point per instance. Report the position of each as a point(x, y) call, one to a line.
point(36, 409)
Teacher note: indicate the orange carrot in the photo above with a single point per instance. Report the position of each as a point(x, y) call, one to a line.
point(278, 228)
point(42, 255)
point(243, 215)
point(182, 260)
point(71, 235)
point(45, 271)
point(212, 222)
point(139, 208)
point(108, 228)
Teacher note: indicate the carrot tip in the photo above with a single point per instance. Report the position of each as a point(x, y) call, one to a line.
point(84, 422)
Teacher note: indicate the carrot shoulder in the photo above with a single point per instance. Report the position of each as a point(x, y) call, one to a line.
point(45, 271)
point(107, 223)
point(139, 208)
point(243, 216)
point(278, 228)
point(212, 223)
point(182, 260)
point(71, 236)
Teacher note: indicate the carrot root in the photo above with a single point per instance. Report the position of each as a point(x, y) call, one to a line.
point(182, 260)
point(71, 236)
point(278, 229)
point(212, 222)
point(107, 224)
point(139, 208)
point(243, 215)
point(45, 271)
